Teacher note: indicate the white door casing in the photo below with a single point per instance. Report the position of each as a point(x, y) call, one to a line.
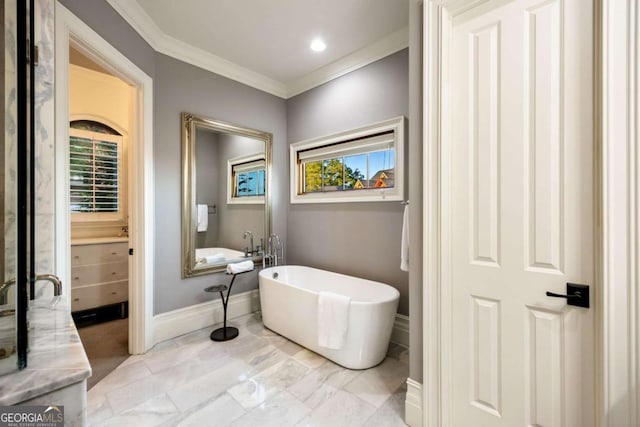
point(514, 216)
point(70, 29)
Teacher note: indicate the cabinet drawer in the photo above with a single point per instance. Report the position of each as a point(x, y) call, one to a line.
point(98, 254)
point(98, 273)
point(97, 295)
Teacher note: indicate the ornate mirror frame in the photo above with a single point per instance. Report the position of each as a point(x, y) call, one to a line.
point(191, 122)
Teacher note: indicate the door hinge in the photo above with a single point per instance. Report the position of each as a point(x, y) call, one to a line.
point(130, 251)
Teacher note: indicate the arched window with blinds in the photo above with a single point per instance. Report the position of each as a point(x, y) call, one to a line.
point(95, 169)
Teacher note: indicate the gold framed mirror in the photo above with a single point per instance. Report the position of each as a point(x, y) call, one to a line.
point(226, 186)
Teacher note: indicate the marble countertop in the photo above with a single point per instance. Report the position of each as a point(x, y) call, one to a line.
point(98, 240)
point(56, 356)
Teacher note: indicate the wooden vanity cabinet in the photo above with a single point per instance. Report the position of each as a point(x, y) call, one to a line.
point(99, 274)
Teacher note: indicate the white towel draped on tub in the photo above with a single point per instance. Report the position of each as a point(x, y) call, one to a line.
point(203, 218)
point(404, 246)
point(333, 319)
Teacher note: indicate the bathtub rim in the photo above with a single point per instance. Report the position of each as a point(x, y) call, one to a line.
point(353, 302)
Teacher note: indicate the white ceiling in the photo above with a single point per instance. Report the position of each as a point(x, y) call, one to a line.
point(265, 43)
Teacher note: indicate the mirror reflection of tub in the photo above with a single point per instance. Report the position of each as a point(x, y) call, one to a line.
point(207, 257)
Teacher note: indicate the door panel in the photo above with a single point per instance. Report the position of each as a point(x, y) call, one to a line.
point(522, 214)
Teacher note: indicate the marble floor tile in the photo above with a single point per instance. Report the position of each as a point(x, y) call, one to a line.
point(342, 409)
point(265, 357)
point(139, 391)
point(322, 383)
point(220, 412)
point(258, 379)
point(161, 360)
point(98, 408)
point(309, 359)
point(120, 377)
point(209, 385)
point(151, 413)
point(268, 383)
point(399, 352)
point(284, 344)
point(377, 384)
point(280, 411)
point(391, 413)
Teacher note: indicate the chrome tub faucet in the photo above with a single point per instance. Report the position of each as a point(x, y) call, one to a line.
point(248, 250)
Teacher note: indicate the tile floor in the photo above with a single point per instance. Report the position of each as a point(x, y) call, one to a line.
point(258, 379)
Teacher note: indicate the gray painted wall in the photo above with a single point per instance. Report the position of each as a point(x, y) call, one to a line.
point(415, 190)
point(319, 235)
point(104, 20)
point(208, 175)
point(359, 239)
point(235, 219)
point(182, 87)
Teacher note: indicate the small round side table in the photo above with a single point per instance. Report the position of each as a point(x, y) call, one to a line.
point(225, 333)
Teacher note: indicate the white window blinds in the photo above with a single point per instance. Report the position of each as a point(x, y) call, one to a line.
point(94, 169)
point(344, 149)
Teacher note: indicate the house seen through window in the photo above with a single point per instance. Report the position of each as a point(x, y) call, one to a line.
point(94, 167)
point(349, 166)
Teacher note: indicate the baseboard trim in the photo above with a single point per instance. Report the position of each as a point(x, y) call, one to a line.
point(413, 404)
point(184, 320)
point(400, 332)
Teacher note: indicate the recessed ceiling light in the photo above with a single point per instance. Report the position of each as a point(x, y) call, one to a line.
point(318, 45)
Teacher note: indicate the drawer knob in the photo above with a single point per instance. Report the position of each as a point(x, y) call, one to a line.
point(114, 253)
point(76, 278)
point(113, 272)
point(114, 293)
point(76, 256)
point(76, 299)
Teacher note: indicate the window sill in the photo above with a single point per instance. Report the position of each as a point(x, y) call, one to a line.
point(348, 197)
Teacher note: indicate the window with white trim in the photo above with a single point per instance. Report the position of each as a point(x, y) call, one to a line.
point(95, 171)
point(364, 164)
point(246, 179)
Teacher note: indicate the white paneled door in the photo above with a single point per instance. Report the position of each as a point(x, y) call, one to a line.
point(521, 214)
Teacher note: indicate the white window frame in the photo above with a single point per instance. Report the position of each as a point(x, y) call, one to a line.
point(245, 200)
point(104, 217)
point(396, 193)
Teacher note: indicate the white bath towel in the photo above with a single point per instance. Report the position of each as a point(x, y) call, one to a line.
point(333, 319)
point(202, 218)
point(212, 259)
point(404, 245)
point(239, 267)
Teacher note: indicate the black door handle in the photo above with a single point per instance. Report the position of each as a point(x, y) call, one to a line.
point(577, 295)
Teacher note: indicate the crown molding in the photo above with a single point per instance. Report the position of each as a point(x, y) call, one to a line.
point(135, 15)
point(142, 23)
point(392, 43)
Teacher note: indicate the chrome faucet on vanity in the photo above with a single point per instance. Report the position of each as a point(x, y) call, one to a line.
point(4, 290)
point(55, 281)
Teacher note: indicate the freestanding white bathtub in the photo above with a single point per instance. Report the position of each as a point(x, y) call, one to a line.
point(289, 300)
